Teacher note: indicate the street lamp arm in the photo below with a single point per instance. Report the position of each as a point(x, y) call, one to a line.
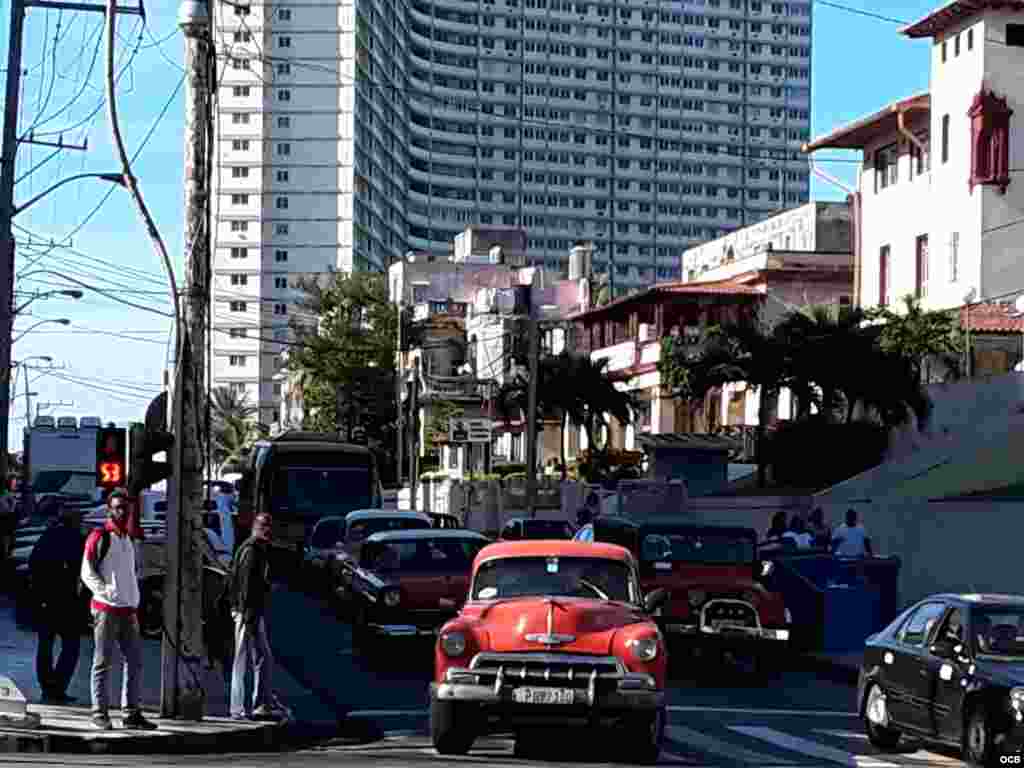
point(113, 178)
point(109, 294)
point(62, 321)
point(45, 294)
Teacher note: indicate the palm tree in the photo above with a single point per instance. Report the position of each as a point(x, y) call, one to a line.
point(233, 426)
point(922, 336)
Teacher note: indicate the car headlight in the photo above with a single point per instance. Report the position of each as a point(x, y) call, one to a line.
point(644, 648)
point(453, 643)
point(392, 598)
point(696, 597)
point(1017, 699)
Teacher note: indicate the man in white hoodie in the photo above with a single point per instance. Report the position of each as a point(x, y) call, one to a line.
point(109, 571)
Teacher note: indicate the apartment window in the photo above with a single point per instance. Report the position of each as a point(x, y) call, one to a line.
point(921, 271)
point(920, 161)
point(237, 387)
point(242, 10)
point(236, 360)
point(284, 148)
point(282, 203)
point(284, 14)
point(239, 173)
point(283, 177)
point(280, 256)
point(945, 138)
point(237, 306)
point(1015, 35)
point(280, 309)
point(970, 39)
point(240, 145)
point(239, 199)
point(239, 253)
point(281, 229)
point(243, 36)
point(239, 226)
point(883, 276)
point(280, 282)
point(886, 167)
point(284, 41)
point(240, 64)
point(284, 95)
point(238, 333)
point(240, 91)
point(240, 118)
point(239, 279)
point(284, 121)
point(954, 257)
point(956, 45)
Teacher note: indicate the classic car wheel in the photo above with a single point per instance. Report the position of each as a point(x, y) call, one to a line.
point(876, 720)
point(645, 735)
point(979, 744)
point(452, 728)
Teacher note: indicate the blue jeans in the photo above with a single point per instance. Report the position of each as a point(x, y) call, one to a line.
point(252, 651)
point(121, 630)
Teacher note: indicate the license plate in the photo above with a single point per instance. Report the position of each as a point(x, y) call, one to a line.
point(543, 695)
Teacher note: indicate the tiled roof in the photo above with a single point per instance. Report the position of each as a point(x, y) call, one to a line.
point(689, 440)
point(991, 318)
point(718, 288)
point(860, 133)
point(938, 21)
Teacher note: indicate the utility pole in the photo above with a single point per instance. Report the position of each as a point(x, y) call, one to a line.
point(9, 153)
point(181, 694)
point(399, 385)
point(414, 435)
point(531, 415)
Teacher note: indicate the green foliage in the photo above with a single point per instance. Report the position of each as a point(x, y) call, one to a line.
point(921, 336)
point(233, 426)
point(441, 412)
point(348, 327)
point(504, 470)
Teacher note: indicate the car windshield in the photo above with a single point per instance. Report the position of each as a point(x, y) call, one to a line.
point(546, 529)
point(704, 547)
point(593, 577)
point(64, 481)
point(360, 530)
point(998, 634)
point(313, 491)
point(423, 555)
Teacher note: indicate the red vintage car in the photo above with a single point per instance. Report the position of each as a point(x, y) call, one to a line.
point(716, 601)
point(554, 633)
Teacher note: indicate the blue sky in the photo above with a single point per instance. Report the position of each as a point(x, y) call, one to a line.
point(859, 64)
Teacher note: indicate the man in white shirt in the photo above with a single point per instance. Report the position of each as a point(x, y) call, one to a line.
point(850, 539)
point(798, 533)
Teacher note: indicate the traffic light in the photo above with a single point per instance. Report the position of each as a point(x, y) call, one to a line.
point(111, 457)
point(148, 440)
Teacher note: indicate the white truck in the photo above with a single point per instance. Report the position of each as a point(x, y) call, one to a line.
point(61, 456)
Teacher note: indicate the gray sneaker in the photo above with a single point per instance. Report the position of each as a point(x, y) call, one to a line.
point(101, 722)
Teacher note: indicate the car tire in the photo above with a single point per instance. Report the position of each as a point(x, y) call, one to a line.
point(646, 733)
point(876, 721)
point(452, 729)
point(979, 748)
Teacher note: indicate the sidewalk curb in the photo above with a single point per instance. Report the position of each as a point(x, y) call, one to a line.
point(272, 737)
point(831, 669)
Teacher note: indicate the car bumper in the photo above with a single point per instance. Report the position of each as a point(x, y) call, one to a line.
point(631, 694)
point(401, 630)
point(732, 636)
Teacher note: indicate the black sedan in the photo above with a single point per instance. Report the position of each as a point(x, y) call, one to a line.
point(949, 669)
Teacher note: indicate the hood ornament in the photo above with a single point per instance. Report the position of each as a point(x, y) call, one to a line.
point(550, 638)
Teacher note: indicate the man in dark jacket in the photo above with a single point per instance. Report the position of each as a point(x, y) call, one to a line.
point(53, 565)
point(250, 597)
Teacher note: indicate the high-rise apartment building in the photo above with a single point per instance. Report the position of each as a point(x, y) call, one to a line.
point(350, 132)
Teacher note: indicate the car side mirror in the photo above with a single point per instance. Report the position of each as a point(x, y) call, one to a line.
point(655, 599)
point(447, 604)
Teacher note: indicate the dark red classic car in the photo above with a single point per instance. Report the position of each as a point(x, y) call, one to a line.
point(555, 633)
point(711, 573)
point(407, 583)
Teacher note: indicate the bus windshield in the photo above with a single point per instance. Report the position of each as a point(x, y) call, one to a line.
point(308, 492)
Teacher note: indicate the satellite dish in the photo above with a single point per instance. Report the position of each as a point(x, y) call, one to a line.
point(971, 296)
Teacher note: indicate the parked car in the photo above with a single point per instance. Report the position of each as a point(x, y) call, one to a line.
point(326, 542)
point(445, 522)
point(716, 600)
point(408, 582)
point(529, 528)
point(949, 669)
point(359, 526)
point(555, 633)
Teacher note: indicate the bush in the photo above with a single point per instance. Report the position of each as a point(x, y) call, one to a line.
point(814, 454)
point(504, 470)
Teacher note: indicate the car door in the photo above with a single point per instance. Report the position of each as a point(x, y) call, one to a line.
point(906, 676)
point(946, 677)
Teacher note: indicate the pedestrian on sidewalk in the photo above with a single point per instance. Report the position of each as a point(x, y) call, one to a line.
point(53, 566)
point(250, 597)
point(850, 539)
point(109, 571)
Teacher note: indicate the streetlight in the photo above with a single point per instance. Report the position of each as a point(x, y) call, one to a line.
point(59, 321)
point(113, 178)
point(71, 294)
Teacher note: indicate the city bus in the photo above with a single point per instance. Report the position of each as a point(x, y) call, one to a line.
point(299, 477)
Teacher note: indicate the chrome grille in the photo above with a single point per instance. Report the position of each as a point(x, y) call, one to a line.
point(735, 612)
point(562, 670)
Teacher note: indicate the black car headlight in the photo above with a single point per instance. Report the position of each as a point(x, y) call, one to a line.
point(453, 643)
point(1017, 700)
point(644, 648)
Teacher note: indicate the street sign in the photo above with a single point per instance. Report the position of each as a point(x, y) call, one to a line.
point(469, 430)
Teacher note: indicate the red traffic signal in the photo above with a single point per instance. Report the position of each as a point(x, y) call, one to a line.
point(111, 457)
